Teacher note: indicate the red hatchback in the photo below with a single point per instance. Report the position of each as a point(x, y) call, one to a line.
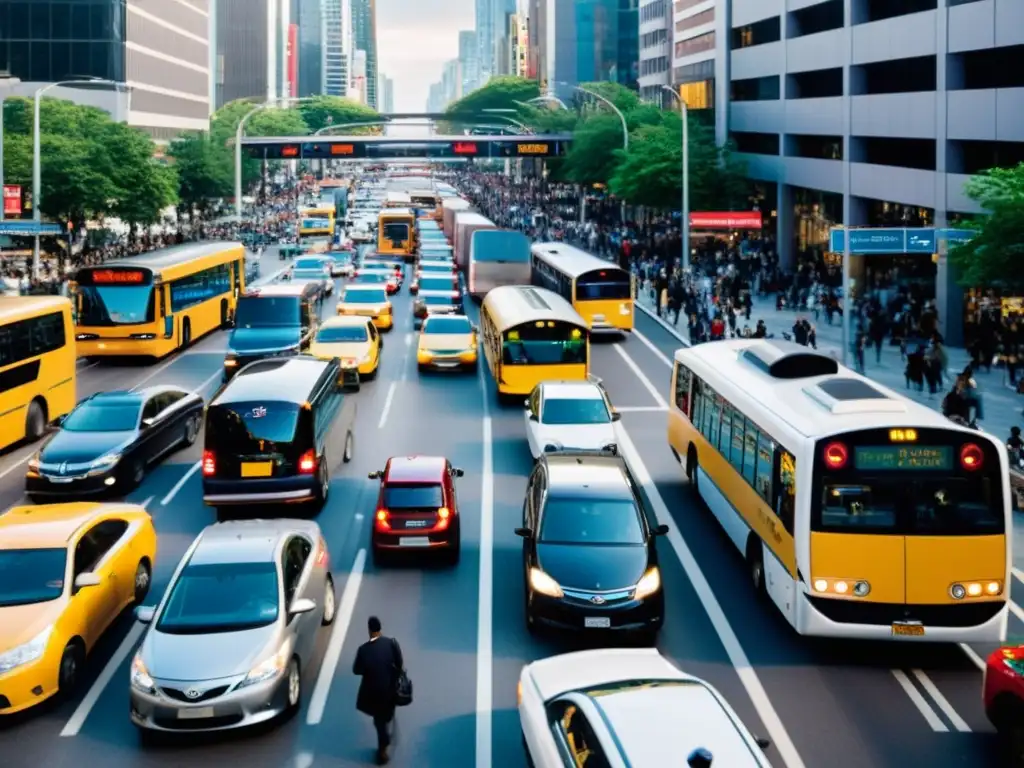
point(416, 507)
point(1004, 696)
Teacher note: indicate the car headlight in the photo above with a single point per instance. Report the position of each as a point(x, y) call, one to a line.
point(541, 582)
point(649, 583)
point(33, 463)
point(140, 676)
point(104, 462)
point(25, 653)
point(267, 669)
point(366, 359)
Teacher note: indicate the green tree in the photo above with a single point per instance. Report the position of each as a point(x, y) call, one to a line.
point(144, 187)
point(995, 254)
point(503, 93)
point(205, 171)
point(267, 122)
point(595, 151)
point(321, 111)
point(623, 98)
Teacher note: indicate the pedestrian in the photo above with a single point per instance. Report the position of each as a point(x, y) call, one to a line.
point(379, 663)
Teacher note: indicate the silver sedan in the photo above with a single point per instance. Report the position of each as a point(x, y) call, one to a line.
point(227, 645)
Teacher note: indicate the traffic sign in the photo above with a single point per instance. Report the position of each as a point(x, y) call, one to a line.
point(29, 228)
point(886, 240)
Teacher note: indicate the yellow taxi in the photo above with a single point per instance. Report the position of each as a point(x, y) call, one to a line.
point(66, 573)
point(367, 301)
point(447, 342)
point(352, 338)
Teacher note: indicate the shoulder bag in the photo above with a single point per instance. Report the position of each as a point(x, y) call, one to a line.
point(403, 685)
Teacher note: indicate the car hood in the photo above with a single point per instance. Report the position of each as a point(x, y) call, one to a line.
point(189, 658)
point(20, 623)
point(346, 350)
point(444, 341)
point(246, 340)
point(593, 567)
point(589, 437)
point(362, 309)
point(82, 447)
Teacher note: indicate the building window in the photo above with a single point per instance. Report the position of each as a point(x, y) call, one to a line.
point(758, 33)
point(818, 84)
point(896, 76)
point(755, 89)
point(901, 153)
point(814, 147)
point(695, 45)
point(866, 11)
point(990, 68)
point(698, 95)
point(755, 143)
point(814, 19)
point(704, 17)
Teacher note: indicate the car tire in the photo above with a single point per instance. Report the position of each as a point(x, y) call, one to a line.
point(70, 671)
point(372, 374)
point(350, 448)
point(454, 552)
point(148, 738)
point(330, 602)
point(143, 581)
point(755, 566)
point(188, 439)
point(134, 474)
point(293, 688)
point(380, 557)
point(35, 421)
point(223, 514)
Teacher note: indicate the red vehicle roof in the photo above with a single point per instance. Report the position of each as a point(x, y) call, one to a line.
point(415, 469)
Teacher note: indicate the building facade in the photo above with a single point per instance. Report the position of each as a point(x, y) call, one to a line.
point(469, 63)
point(875, 114)
point(336, 53)
point(364, 33)
point(591, 41)
point(655, 50)
point(306, 14)
point(694, 52)
point(386, 94)
point(252, 45)
point(358, 87)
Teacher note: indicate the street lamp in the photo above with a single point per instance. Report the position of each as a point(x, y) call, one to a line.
point(684, 213)
point(7, 83)
point(36, 150)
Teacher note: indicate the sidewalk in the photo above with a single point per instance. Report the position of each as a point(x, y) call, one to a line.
point(1002, 405)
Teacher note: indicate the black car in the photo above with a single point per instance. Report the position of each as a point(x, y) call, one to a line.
point(275, 434)
point(273, 321)
point(590, 562)
point(105, 445)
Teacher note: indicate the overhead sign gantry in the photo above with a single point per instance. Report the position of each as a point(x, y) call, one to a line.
point(438, 148)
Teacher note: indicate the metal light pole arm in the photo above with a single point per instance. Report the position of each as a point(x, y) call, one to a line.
point(616, 110)
point(684, 212)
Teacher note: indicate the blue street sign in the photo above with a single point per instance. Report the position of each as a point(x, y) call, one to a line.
point(916, 240)
point(921, 241)
point(955, 236)
point(29, 228)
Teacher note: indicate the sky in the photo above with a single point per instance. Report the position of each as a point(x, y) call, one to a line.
point(414, 40)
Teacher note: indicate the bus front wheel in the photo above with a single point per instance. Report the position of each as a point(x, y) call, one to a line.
point(755, 563)
point(186, 334)
point(35, 421)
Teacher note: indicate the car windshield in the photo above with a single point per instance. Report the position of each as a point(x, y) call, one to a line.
point(396, 232)
point(371, 277)
point(447, 325)
point(410, 496)
point(437, 284)
point(229, 597)
point(582, 411)
point(439, 300)
point(590, 521)
point(100, 416)
point(31, 575)
point(240, 426)
point(309, 274)
point(310, 264)
point(268, 312)
point(344, 333)
point(364, 297)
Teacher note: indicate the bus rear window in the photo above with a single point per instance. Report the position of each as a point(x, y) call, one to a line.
point(396, 232)
point(611, 284)
point(552, 344)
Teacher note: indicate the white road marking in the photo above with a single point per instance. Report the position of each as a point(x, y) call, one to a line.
point(1018, 574)
point(304, 760)
point(28, 455)
point(640, 409)
point(329, 665)
point(387, 404)
point(359, 516)
point(947, 709)
point(976, 660)
point(178, 485)
point(919, 701)
point(641, 377)
point(202, 387)
point(158, 370)
point(485, 596)
point(1016, 610)
point(650, 345)
point(148, 500)
point(737, 656)
point(74, 725)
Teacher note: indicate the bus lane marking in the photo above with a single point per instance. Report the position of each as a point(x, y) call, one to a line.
point(943, 703)
point(919, 701)
point(641, 377)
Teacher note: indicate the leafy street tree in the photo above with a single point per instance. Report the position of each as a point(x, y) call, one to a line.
point(205, 171)
point(322, 111)
point(623, 98)
point(501, 93)
point(144, 187)
point(995, 255)
point(594, 153)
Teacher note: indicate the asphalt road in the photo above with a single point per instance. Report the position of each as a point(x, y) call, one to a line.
point(821, 703)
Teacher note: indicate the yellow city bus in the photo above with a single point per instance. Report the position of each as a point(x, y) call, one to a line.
point(395, 232)
point(600, 291)
point(531, 335)
point(860, 513)
point(37, 365)
point(316, 222)
point(151, 305)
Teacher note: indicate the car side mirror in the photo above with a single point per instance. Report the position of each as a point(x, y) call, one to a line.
point(148, 422)
point(375, 475)
point(661, 530)
point(301, 605)
point(616, 416)
point(144, 614)
point(533, 417)
point(87, 579)
point(59, 421)
point(763, 743)
point(525, 533)
point(458, 472)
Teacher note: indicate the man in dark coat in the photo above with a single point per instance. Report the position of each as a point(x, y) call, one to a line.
point(378, 662)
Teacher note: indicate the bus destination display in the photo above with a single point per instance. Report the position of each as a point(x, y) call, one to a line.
point(895, 457)
point(532, 149)
point(117, 277)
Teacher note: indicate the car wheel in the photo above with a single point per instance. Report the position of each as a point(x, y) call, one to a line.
point(149, 738)
point(454, 552)
point(755, 564)
point(35, 421)
point(373, 374)
point(134, 474)
point(293, 683)
point(330, 603)
point(143, 580)
point(380, 557)
point(70, 668)
point(191, 432)
point(350, 448)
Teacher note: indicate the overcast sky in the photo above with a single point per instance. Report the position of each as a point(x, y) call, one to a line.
point(414, 40)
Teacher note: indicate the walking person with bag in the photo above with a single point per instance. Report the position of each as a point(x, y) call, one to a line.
point(384, 684)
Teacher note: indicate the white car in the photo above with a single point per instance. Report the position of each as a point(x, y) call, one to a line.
point(628, 708)
point(569, 416)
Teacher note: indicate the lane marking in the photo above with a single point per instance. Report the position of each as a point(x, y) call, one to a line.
point(359, 516)
point(178, 485)
point(485, 595)
point(1018, 574)
point(1016, 610)
point(202, 387)
point(650, 345)
point(947, 709)
point(31, 452)
point(158, 370)
point(974, 657)
point(147, 501)
point(641, 377)
point(304, 760)
point(929, 714)
point(737, 656)
point(74, 725)
point(392, 387)
point(329, 665)
point(640, 409)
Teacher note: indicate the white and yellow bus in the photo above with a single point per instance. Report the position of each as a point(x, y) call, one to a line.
point(531, 335)
point(37, 365)
point(395, 232)
point(151, 305)
point(860, 514)
point(600, 291)
point(317, 222)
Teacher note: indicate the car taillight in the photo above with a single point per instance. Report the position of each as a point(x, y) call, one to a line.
point(307, 463)
point(381, 520)
point(971, 457)
point(209, 464)
point(443, 516)
point(836, 455)
point(321, 554)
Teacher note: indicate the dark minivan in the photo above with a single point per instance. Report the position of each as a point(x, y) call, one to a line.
point(275, 433)
point(273, 321)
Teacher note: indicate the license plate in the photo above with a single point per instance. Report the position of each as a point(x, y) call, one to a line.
point(597, 622)
point(195, 713)
point(257, 468)
point(413, 541)
point(908, 630)
point(61, 479)
point(446, 364)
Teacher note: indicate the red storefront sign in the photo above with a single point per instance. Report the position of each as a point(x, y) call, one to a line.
point(293, 60)
point(12, 200)
point(726, 220)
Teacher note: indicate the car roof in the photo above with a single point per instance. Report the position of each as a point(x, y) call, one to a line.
point(346, 321)
point(247, 541)
point(582, 475)
point(278, 289)
point(415, 469)
point(430, 318)
point(118, 396)
point(54, 525)
point(571, 390)
point(583, 670)
point(274, 380)
point(363, 287)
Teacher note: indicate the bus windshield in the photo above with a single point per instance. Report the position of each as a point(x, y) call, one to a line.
point(554, 344)
point(604, 284)
point(104, 305)
point(395, 231)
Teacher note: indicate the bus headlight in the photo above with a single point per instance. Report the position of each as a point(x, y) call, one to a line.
point(624, 309)
point(970, 589)
point(842, 587)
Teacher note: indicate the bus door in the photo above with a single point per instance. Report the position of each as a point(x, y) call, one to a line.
point(162, 305)
point(238, 277)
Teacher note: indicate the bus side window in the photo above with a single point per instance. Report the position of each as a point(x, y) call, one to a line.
point(698, 402)
point(765, 466)
point(683, 377)
point(750, 438)
point(785, 488)
point(725, 431)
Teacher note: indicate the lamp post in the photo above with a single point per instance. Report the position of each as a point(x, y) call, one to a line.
point(7, 83)
point(684, 213)
point(36, 151)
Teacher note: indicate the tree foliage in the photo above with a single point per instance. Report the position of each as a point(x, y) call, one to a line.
point(593, 155)
point(995, 254)
point(500, 93)
point(321, 111)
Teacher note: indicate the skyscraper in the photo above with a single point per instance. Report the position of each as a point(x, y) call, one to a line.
point(501, 40)
point(590, 41)
point(364, 32)
point(336, 53)
point(469, 61)
point(307, 16)
point(251, 49)
point(386, 94)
